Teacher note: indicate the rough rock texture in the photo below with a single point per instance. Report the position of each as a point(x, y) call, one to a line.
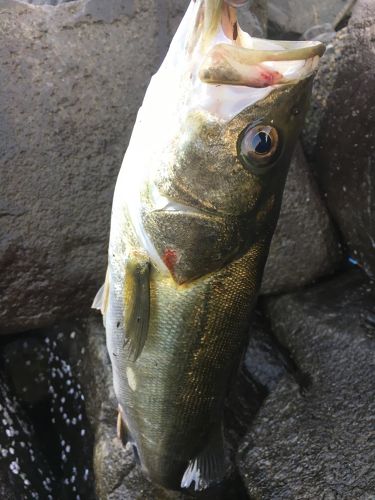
point(319, 443)
point(264, 360)
point(304, 246)
point(344, 121)
point(43, 419)
point(291, 18)
point(254, 19)
point(19, 478)
point(71, 84)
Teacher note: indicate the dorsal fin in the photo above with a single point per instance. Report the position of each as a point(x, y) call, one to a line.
point(136, 303)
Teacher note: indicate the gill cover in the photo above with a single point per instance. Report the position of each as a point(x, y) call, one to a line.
point(233, 109)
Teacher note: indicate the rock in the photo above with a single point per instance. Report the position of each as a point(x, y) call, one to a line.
point(322, 32)
point(45, 2)
point(319, 443)
point(340, 133)
point(49, 400)
point(254, 19)
point(264, 360)
point(304, 247)
point(291, 18)
point(24, 471)
point(73, 77)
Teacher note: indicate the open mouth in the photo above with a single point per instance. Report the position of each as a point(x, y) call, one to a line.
point(233, 57)
point(225, 69)
point(267, 63)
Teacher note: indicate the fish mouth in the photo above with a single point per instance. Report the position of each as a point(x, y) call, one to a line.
point(227, 70)
point(233, 57)
point(268, 63)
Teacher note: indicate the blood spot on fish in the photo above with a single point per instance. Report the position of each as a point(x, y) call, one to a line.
point(170, 258)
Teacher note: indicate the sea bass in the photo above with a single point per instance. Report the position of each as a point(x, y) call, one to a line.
point(195, 206)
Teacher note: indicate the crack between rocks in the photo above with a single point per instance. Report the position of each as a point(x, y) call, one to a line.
point(121, 479)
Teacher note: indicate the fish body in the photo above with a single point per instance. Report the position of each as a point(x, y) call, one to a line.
point(195, 206)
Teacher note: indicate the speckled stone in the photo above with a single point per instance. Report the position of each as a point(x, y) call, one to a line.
point(72, 79)
point(343, 120)
point(305, 246)
point(318, 441)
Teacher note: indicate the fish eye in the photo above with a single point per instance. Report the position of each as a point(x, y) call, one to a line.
point(257, 148)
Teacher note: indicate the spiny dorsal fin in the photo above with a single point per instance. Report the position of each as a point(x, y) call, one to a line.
point(136, 303)
point(210, 466)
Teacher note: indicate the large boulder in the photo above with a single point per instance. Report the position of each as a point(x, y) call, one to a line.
point(72, 79)
point(316, 441)
point(304, 246)
point(340, 133)
point(291, 18)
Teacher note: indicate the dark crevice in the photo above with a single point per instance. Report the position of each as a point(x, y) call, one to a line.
point(284, 356)
point(45, 384)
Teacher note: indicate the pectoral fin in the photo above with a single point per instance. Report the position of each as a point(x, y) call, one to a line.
point(136, 304)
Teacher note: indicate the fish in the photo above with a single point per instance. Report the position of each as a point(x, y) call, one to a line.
point(195, 206)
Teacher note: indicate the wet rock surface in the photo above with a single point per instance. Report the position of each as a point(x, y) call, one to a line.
point(73, 78)
point(291, 18)
point(343, 119)
point(304, 246)
point(319, 442)
point(45, 439)
point(24, 472)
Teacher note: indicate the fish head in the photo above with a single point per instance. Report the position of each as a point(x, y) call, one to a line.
point(221, 118)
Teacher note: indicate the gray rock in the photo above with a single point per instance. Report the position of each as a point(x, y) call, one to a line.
point(319, 443)
point(71, 84)
point(49, 411)
point(322, 32)
point(45, 2)
point(340, 133)
point(254, 18)
point(304, 247)
point(291, 18)
point(264, 361)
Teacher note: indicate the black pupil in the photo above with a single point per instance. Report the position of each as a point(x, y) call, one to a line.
point(262, 143)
